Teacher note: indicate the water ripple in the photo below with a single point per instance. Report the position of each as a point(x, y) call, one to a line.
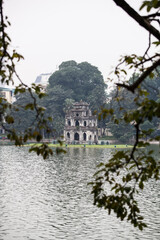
point(51, 200)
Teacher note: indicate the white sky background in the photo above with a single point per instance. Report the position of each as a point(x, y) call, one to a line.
point(48, 32)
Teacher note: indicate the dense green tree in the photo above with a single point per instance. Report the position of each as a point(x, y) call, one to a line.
point(124, 101)
point(68, 104)
point(80, 82)
point(24, 119)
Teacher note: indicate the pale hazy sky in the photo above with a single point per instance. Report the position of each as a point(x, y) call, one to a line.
point(48, 32)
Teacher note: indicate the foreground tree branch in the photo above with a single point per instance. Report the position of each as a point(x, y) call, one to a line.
point(117, 181)
point(141, 78)
point(142, 21)
point(8, 59)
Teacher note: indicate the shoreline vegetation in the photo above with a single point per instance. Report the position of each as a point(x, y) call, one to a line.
point(9, 143)
point(90, 146)
point(83, 145)
point(65, 145)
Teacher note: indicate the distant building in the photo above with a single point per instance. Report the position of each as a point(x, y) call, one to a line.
point(80, 124)
point(43, 79)
point(6, 92)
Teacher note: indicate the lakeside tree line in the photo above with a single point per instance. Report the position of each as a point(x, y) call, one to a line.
point(73, 82)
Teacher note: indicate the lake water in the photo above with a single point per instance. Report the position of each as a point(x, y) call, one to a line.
point(50, 199)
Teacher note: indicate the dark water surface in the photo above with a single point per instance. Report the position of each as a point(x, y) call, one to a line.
point(50, 199)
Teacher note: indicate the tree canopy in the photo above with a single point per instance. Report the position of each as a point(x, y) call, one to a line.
point(123, 101)
point(79, 81)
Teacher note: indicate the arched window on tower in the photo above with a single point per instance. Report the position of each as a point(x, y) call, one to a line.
point(77, 123)
point(85, 123)
point(69, 123)
point(76, 136)
point(84, 136)
point(68, 135)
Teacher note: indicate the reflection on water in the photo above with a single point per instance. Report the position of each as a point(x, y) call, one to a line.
point(50, 199)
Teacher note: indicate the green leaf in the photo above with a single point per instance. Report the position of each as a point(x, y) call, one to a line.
point(9, 119)
point(157, 43)
point(141, 185)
